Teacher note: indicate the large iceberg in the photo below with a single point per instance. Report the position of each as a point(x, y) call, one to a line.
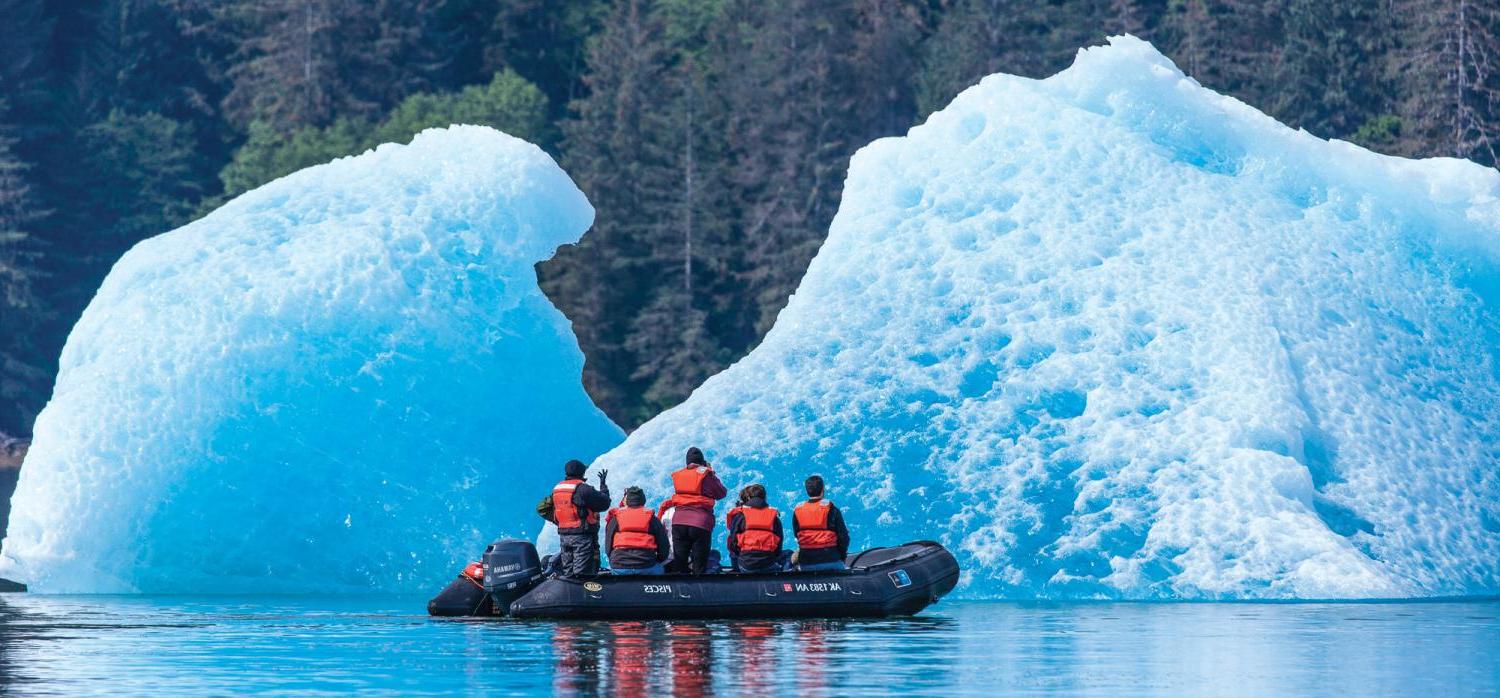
point(1111, 334)
point(347, 378)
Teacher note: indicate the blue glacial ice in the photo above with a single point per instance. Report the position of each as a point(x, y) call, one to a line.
point(346, 378)
point(1111, 334)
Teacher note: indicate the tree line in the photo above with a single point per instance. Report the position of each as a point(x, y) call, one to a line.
point(712, 136)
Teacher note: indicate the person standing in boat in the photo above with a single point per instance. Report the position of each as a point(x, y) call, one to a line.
point(696, 490)
point(575, 507)
point(822, 538)
point(635, 541)
point(755, 534)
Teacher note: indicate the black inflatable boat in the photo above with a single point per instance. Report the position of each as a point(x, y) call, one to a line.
point(880, 582)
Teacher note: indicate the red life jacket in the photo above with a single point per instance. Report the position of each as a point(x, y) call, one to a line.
point(688, 484)
point(632, 529)
point(729, 518)
point(565, 511)
point(759, 535)
point(813, 532)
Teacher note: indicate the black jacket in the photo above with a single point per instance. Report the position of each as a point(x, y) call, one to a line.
point(754, 559)
point(634, 559)
point(835, 524)
point(586, 498)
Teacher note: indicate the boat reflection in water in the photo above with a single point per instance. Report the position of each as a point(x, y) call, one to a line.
point(695, 658)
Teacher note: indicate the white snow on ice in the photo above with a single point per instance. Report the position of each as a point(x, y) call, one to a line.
point(1111, 334)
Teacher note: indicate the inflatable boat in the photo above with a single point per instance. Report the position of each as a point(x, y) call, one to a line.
point(879, 582)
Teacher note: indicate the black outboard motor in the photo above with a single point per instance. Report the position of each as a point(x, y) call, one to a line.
point(511, 568)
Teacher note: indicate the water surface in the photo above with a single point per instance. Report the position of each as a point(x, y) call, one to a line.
point(219, 645)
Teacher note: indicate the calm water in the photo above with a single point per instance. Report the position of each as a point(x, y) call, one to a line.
point(52, 644)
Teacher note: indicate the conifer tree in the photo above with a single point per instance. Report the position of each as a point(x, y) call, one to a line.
point(1450, 78)
point(1327, 84)
point(609, 150)
point(24, 377)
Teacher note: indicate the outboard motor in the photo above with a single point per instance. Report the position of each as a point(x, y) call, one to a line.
point(511, 568)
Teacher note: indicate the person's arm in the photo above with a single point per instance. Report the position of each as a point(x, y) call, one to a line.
point(610, 527)
point(544, 509)
point(663, 542)
point(592, 499)
point(836, 522)
point(736, 524)
point(713, 488)
point(666, 504)
point(776, 528)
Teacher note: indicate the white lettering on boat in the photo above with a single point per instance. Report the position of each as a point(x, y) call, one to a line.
point(819, 586)
point(658, 588)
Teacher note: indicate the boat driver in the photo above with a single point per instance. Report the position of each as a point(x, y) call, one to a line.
point(575, 506)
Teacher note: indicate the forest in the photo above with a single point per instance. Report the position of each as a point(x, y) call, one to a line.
point(712, 136)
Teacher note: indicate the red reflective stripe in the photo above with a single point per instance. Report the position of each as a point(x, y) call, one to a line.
point(633, 529)
point(812, 525)
point(759, 535)
point(565, 511)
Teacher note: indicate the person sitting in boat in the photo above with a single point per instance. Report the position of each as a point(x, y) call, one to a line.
point(755, 534)
point(575, 507)
point(822, 538)
point(739, 504)
point(634, 539)
point(696, 490)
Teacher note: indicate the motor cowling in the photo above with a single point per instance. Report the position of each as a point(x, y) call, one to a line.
point(511, 568)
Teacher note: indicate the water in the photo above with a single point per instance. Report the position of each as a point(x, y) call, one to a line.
point(165, 645)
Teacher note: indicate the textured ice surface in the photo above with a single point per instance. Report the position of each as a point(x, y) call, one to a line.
point(345, 378)
point(1113, 334)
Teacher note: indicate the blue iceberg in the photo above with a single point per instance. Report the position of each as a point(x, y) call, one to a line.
point(345, 379)
point(1111, 334)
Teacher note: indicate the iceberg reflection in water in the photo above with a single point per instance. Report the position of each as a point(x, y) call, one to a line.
point(386, 644)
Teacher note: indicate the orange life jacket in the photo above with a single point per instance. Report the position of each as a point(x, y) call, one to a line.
point(813, 532)
point(565, 511)
point(688, 484)
point(759, 535)
point(632, 528)
point(729, 518)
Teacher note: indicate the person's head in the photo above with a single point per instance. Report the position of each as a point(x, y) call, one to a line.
point(635, 497)
point(754, 493)
point(695, 457)
point(814, 486)
point(745, 494)
point(574, 469)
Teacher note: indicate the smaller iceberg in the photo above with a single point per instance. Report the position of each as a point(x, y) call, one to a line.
point(345, 379)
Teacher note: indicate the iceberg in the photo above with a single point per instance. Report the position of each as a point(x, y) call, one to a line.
point(345, 379)
point(1113, 335)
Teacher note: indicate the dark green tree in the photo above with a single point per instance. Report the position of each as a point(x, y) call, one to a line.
point(23, 373)
point(610, 151)
point(142, 182)
point(1449, 78)
point(1328, 84)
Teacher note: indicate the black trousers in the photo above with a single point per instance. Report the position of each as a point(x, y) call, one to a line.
point(690, 546)
point(580, 554)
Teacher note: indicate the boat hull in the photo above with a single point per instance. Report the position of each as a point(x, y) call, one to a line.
point(880, 583)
